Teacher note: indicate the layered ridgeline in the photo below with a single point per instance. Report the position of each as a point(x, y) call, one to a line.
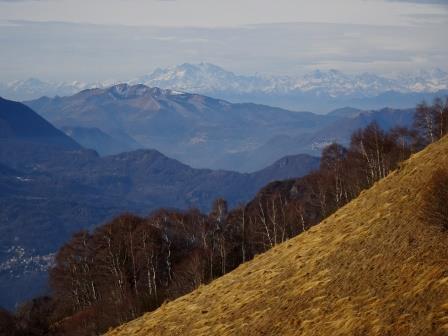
point(51, 187)
point(374, 267)
point(194, 129)
point(201, 131)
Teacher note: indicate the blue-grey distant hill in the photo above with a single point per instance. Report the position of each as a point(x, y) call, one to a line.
point(192, 128)
point(201, 131)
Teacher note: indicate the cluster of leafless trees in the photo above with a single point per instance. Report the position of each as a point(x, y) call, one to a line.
point(432, 121)
point(284, 210)
point(132, 264)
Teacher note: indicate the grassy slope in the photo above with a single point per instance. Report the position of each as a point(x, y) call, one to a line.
point(373, 268)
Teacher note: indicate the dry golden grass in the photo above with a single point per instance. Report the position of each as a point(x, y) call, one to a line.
point(373, 268)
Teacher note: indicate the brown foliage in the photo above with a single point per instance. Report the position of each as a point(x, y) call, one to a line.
point(33, 318)
point(8, 325)
point(132, 265)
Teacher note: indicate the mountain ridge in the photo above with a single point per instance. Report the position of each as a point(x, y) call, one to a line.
point(193, 128)
point(205, 132)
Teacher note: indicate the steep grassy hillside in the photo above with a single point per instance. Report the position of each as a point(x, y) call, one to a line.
point(372, 268)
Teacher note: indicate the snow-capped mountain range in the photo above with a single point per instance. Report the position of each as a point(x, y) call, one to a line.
point(208, 78)
point(332, 87)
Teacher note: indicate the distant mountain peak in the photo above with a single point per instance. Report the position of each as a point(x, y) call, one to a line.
point(125, 91)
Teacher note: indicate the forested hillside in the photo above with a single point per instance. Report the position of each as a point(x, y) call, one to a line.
point(378, 266)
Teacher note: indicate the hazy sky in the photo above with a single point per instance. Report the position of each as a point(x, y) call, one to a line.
point(120, 39)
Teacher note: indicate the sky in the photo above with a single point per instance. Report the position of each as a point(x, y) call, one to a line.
point(94, 40)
